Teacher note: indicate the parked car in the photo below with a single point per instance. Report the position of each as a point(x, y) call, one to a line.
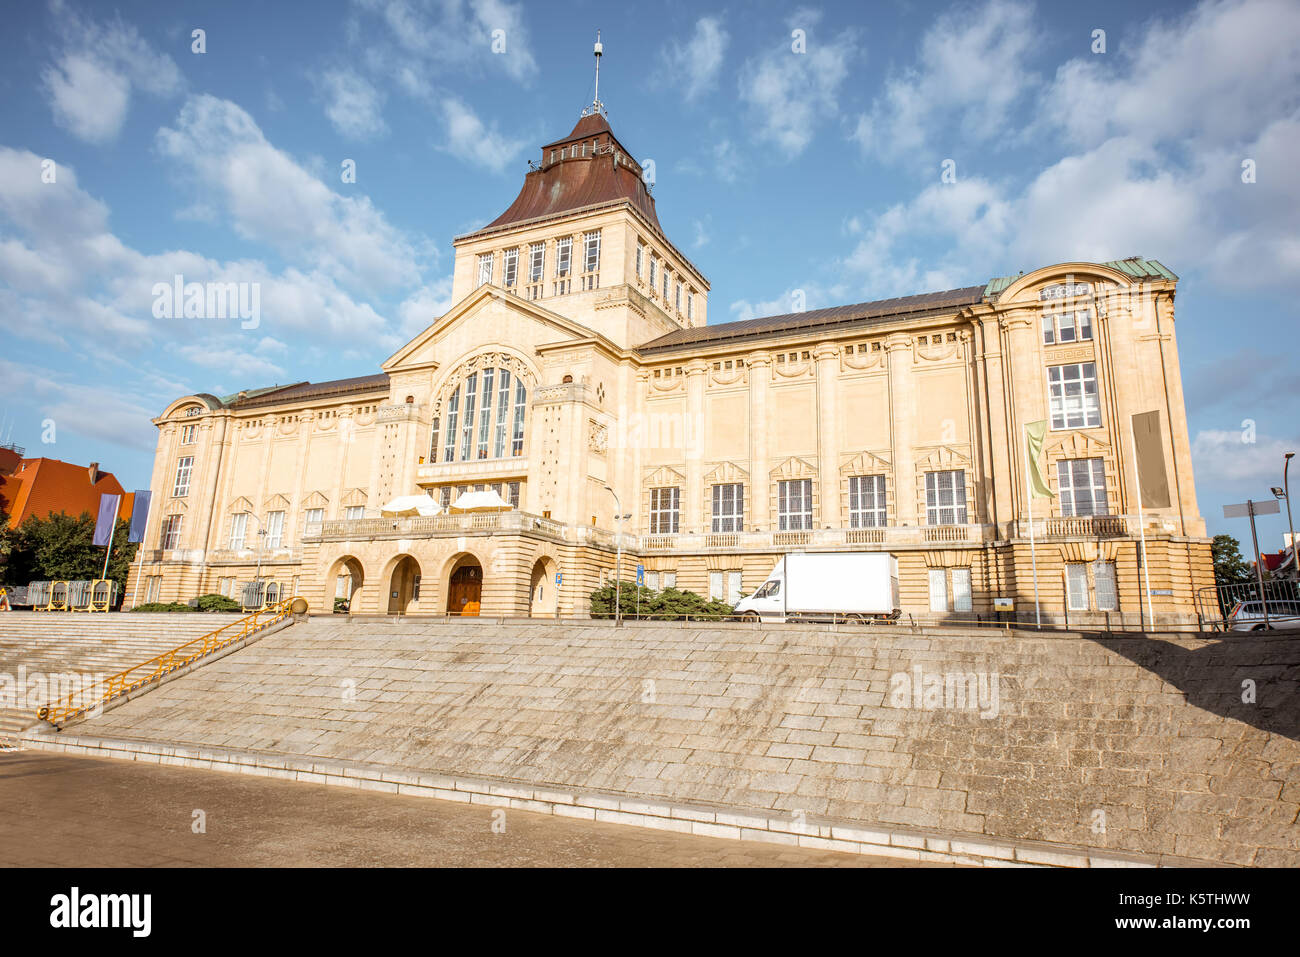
point(1283, 615)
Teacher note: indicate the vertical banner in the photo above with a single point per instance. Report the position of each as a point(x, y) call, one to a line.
point(139, 515)
point(1153, 480)
point(107, 518)
point(1035, 432)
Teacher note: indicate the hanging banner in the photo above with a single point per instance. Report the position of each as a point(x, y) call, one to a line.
point(1153, 480)
point(107, 518)
point(139, 515)
point(1035, 432)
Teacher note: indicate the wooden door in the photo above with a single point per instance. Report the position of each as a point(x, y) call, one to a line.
point(465, 591)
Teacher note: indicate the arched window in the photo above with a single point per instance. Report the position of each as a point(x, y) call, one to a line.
point(484, 419)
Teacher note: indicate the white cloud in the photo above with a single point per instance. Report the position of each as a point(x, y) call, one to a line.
point(788, 94)
point(353, 105)
point(469, 138)
point(694, 64)
point(89, 85)
point(721, 158)
point(970, 73)
point(274, 200)
point(1222, 457)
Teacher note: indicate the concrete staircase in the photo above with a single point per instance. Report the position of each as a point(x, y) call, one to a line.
point(1139, 746)
point(48, 643)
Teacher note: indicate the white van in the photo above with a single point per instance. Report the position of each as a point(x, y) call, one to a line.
point(827, 586)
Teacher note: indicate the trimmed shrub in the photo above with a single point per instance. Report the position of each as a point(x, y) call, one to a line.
point(215, 602)
point(670, 604)
point(163, 606)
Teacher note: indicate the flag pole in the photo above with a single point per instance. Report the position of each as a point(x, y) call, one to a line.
point(1142, 525)
point(1033, 553)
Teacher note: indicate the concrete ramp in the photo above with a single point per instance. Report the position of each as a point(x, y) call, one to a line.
point(1173, 749)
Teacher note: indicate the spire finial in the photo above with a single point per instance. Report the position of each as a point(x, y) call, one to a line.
point(596, 106)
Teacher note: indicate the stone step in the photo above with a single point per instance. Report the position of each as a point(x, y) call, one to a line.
point(1148, 736)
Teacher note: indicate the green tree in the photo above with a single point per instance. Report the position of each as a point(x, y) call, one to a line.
point(61, 548)
point(1229, 566)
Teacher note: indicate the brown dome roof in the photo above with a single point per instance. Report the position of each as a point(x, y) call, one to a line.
point(589, 167)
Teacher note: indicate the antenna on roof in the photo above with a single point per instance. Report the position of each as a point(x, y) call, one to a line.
point(597, 106)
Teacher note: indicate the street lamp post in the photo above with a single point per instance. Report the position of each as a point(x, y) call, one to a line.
point(618, 560)
point(1286, 490)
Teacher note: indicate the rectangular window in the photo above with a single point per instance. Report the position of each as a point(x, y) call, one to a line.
point(510, 268)
point(315, 516)
point(640, 258)
point(444, 496)
point(503, 409)
point(729, 508)
point(1076, 587)
point(484, 269)
point(794, 504)
point(690, 305)
point(467, 420)
point(654, 272)
point(717, 586)
point(238, 526)
point(664, 510)
point(961, 600)
point(184, 468)
point(513, 497)
point(1103, 574)
point(188, 433)
point(591, 251)
point(485, 413)
point(945, 498)
point(223, 587)
point(939, 589)
point(449, 450)
point(1072, 391)
point(171, 532)
point(734, 590)
point(517, 435)
point(678, 299)
point(867, 501)
point(536, 261)
point(433, 439)
point(563, 256)
point(1074, 326)
point(274, 529)
point(1049, 331)
point(666, 279)
point(1083, 487)
point(667, 579)
point(354, 513)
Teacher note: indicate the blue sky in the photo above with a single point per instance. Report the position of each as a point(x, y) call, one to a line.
point(776, 171)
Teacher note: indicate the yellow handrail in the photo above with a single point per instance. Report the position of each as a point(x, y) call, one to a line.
point(62, 710)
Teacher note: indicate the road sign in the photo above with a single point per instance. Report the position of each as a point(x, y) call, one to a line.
point(640, 574)
point(559, 578)
point(1267, 507)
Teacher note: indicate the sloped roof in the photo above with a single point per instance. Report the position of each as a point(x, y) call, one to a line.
point(883, 310)
point(589, 168)
point(43, 486)
point(302, 391)
point(1135, 266)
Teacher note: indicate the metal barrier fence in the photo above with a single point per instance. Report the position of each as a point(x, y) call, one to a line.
point(99, 594)
point(1215, 603)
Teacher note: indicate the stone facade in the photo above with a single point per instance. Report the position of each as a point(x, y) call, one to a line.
point(894, 426)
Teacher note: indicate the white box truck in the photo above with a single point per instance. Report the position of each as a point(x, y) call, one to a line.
point(827, 586)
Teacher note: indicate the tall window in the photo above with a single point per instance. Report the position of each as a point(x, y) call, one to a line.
point(794, 504)
point(725, 586)
point(510, 268)
point(484, 269)
point(729, 508)
point(678, 300)
point(171, 532)
point(591, 251)
point(945, 498)
point(1076, 586)
point(690, 305)
point(183, 470)
point(1083, 486)
point(453, 409)
point(938, 589)
point(503, 408)
point(433, 439)
point(666, 279)
point(315, 516)
point(867, 501)
point(961, 598)
point(1072, 390)
point(467, 422)
point(654, 272)
point(485, 413)
point(664, 510)
point(188, 433)
point(536, 260)
point(274, 529)
point(1103, 574)
point(238, 526)
point(640, 258)
point(521, 403)
point(563, 256)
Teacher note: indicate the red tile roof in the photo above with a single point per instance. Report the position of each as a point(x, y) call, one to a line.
point(43, 487)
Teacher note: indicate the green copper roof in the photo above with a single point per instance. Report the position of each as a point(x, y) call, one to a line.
point(1135, 267)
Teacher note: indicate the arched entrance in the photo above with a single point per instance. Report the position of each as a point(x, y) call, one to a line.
point(343, 584)
point(404, 585)
point(465, 588)
point(544, 593)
